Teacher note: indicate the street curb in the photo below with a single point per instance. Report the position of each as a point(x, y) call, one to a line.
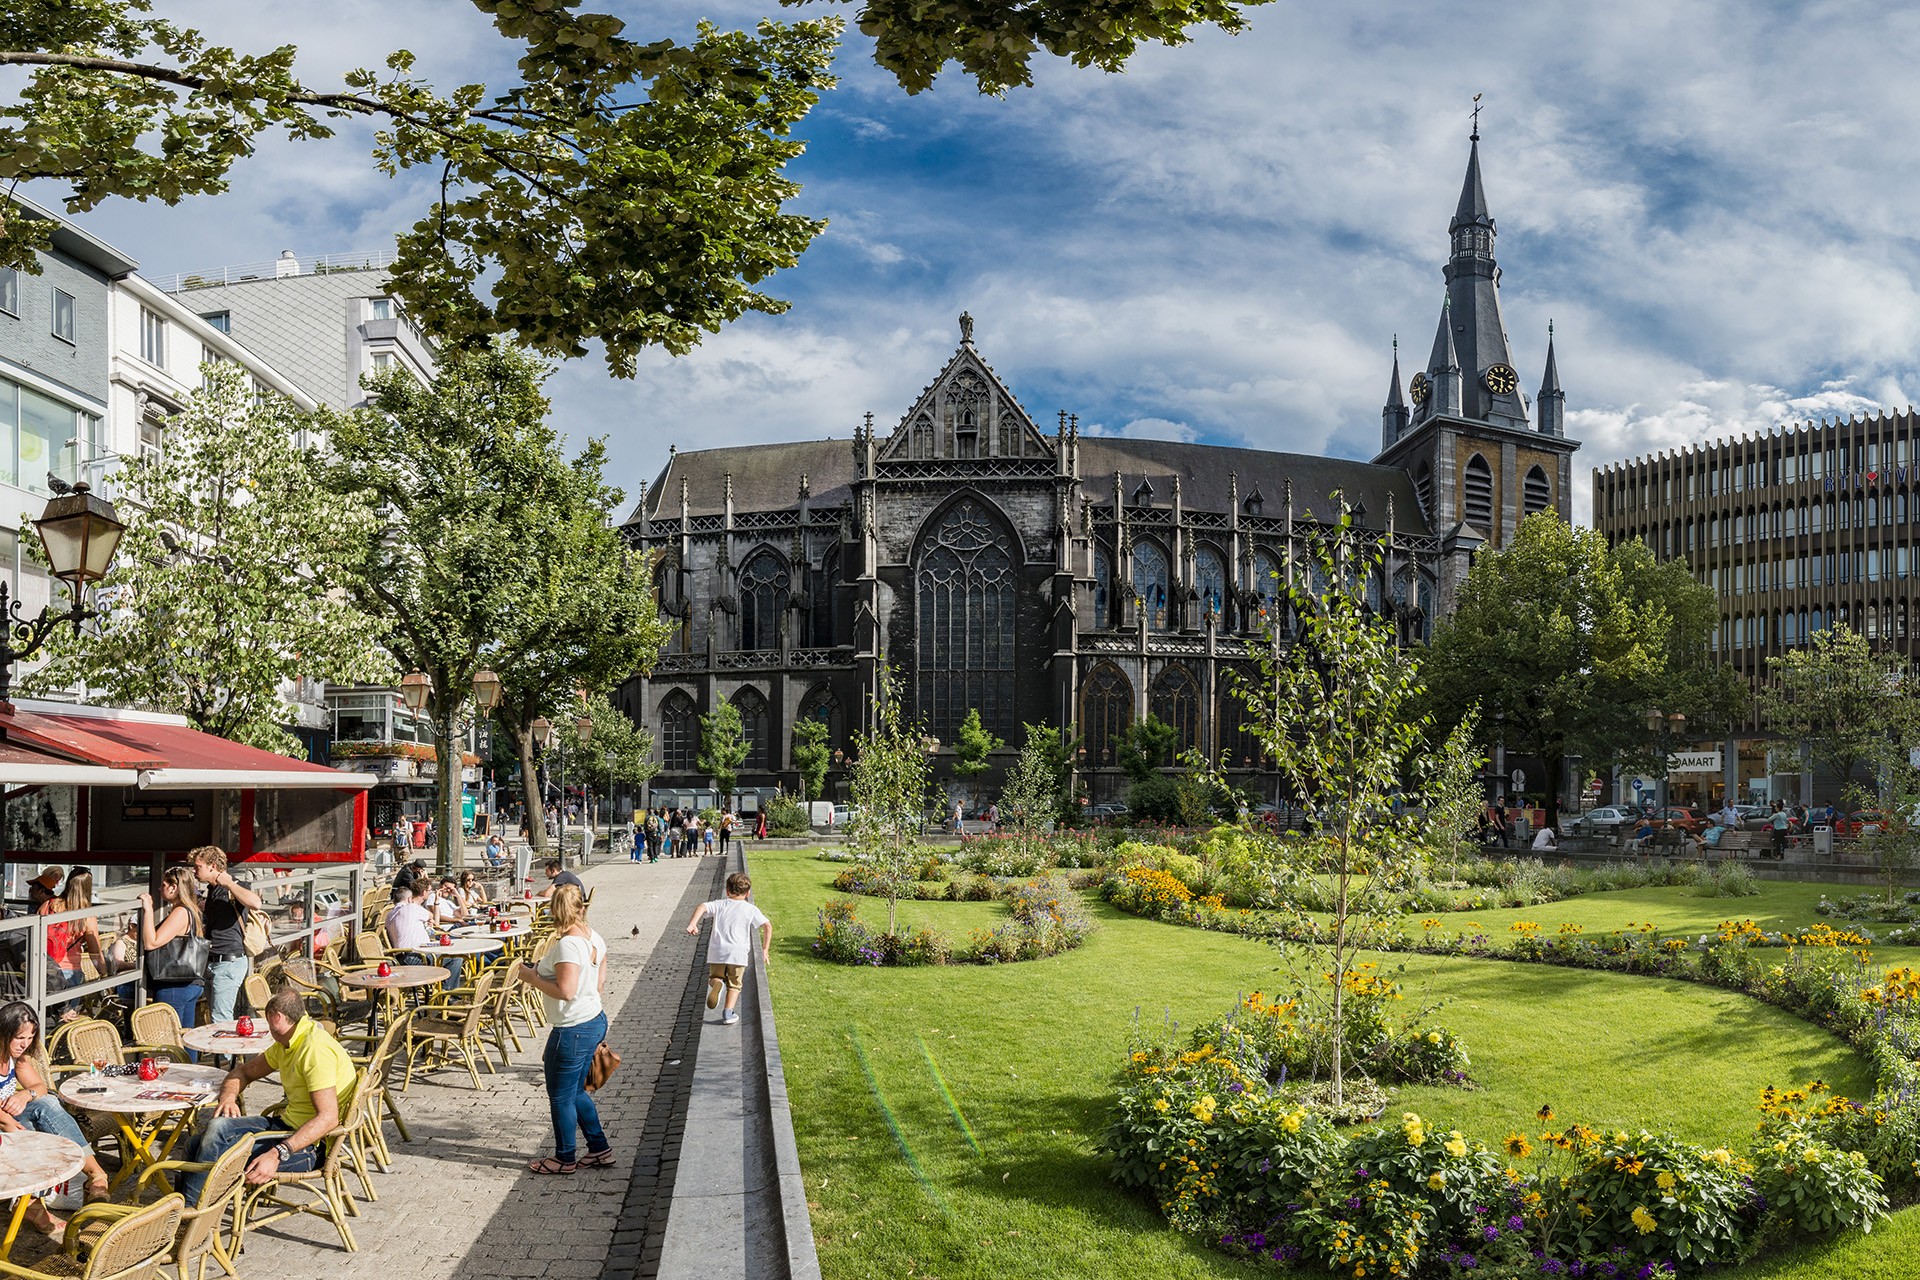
point(796, 1225)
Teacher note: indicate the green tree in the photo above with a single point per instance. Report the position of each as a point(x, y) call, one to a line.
point(1145, 746)
point(618, 753)
point(484, 542)
point(1030, 800)
point(1337, 713)
point(889, 783)
point(1895, 848)
point(1840, 700)
point(219, 597)
point(1566, 644)
point(811, 756)
point(626, 190)
point(972, 744)
point(1057, 750)
point(723, 747)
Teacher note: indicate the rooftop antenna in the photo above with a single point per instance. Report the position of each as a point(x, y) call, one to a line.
point(1476, 118)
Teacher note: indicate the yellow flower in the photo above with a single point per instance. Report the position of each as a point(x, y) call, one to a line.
point(1456, 1145)
point(1436, 1180)
point(1720, 1155)
point(1433, 1037)
point(1643, 1220)
point(1159, 1104)
point(1664, 1181)
point(1291, 1121)
point(1517, 1146)
point(1416, 1130)
point(1203, 1109)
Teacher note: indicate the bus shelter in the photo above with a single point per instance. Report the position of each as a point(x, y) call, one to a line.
point(125, 794)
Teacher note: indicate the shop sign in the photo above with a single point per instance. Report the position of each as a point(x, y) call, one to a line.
point(1694, 762)
point(380, 766)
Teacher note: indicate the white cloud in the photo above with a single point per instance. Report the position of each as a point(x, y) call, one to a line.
point(1144, 429)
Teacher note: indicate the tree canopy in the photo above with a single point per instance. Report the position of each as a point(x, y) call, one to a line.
point(1841, 700)
point(1567, 644)
point(626, 190)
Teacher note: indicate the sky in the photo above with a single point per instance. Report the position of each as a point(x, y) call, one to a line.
point(1709, 201)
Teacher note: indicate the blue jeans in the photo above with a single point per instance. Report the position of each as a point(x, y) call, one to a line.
point(182, 997)
point(213, 1141)
point(44, 1115)
point(569, 1050)
point(223, 980)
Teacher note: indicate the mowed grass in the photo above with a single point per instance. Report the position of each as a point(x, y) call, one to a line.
point(948, 1118)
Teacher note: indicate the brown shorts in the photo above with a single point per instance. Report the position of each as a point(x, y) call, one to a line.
point(731, 974)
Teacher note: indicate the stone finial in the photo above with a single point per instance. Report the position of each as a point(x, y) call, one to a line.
point(806, 489)
point(966, 329)
point(1073, 426)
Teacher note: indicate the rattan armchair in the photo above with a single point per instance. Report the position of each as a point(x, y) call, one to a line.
point(205, 1227)
point(324, 1187)
point(452, 1023)
point(379, 1063)
point(134, 1247)
point(157, 1026)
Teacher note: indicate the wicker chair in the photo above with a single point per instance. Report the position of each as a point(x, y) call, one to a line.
point(258, 991)
point(440, 1027)
point(319, 986)
point(157, 1026)
point(204, 1227)
point(369, 947)
point(135, 1247)
point(498, 1022)
point(324, 1187)
point(378, 1063)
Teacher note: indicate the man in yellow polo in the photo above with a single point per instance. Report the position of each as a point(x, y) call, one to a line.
point(319, 1080)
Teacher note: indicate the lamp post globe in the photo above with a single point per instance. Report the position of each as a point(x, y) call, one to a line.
point(486, 689)
point(80, 532)
point(414, 688)
point(583, 725)
point(542, 730)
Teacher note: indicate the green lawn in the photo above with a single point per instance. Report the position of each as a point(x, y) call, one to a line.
point(948, 1118)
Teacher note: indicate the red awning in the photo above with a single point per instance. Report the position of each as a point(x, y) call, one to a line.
point(99, 746)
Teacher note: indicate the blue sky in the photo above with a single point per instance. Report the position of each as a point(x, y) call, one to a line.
point(1711, 201)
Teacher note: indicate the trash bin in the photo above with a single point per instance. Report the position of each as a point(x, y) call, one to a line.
point(1823, 844)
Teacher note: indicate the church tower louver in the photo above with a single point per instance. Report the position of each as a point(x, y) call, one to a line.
point(1479, 464)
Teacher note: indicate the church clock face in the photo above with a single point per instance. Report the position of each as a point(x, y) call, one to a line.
point(1500, 379)
point(1419, 388)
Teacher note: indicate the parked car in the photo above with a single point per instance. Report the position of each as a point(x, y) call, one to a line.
point(1861, 822)
point(1680, 818)
point(1608, 820)
point(1753, 816)
point(1111, 811)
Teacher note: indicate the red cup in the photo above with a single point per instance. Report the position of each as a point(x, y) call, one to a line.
point(244, 1026)
point(149, 1069)
point(445, 940)
point(385, 970)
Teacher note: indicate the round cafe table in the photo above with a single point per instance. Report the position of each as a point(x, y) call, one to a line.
point(224, 1038)
point(517, 927)
point(182, 1087)
point(404, 977)
point(30, 1163)
point(465, 944)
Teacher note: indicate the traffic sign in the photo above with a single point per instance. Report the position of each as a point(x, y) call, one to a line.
point(1519, 779)
point(1638, 785)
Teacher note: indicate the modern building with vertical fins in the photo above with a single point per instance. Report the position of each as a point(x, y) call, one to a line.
point(1052, 578)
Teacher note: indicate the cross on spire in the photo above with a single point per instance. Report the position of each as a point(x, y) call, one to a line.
point(1476, 118)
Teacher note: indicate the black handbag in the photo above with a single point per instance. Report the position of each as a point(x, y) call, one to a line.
point(181, 959)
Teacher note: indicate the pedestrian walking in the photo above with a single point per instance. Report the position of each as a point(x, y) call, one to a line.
point(706, 833)
point(1780, 824)
point(730, 945)
point(571, 980)
point(1501, 827)
point(760, 826)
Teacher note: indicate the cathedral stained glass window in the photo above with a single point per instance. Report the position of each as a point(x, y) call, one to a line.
point(764, 586)
point(1106, 710)
point(967, 590)
point(756, 726)
point(1175, 699)
point(1150, 584)
point(1102, 588)
point(1210, 580)
point(679, 733)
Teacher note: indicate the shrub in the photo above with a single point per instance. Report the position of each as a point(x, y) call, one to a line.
point(1146, 891)
point(843, 938)
point(787, 816)
point(1005, 855)
point(970, 886)
point(1812, 1186)
point(1652, 1198)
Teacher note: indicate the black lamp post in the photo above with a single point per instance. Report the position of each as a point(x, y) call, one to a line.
point(80, 533)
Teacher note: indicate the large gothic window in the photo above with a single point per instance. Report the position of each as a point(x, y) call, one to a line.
point(1106, 710)
point(1102, 587)
point(1236, 746)
point(967, 603)
point(1538, 493)
point(1150, 584)
point(821, 705)
point(821, 619)
point(763, 594)
point(1269, 583)
point(679, 733)
point(756, 726)
point(1210, 580)
point(1477, 493)
point(1175, 698)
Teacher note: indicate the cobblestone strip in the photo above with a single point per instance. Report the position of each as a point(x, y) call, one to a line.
point(672, 986)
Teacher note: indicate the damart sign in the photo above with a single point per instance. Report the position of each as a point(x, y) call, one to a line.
point(1694, 762)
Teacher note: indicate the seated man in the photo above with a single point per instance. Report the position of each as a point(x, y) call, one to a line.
point(410, 927)
point(1543, 839)
point(319, 1080)
point(1643, 834)
point(557, 875)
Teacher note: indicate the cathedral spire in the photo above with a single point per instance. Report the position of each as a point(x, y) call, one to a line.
point(1472, 209)
point(1394, 418)
point(1551, 405)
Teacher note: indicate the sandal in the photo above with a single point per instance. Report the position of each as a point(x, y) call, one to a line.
point(549, 1165)
point(597, 1159)
point(98, 1191)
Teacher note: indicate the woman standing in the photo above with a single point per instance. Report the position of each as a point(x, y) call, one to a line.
point(169, 941)
point(67, 939)
point(570, 981)
point(27, 1102)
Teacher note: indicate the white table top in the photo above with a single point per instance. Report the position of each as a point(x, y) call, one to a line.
point(31, 1162)
point(465, 944)
point(404, 975)
point(196, 1086)
point(517, 928)
point(206, 1039)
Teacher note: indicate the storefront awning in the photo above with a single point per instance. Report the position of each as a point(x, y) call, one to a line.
point(57, 744)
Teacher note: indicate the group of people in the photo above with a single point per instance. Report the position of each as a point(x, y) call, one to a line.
point(682, 833)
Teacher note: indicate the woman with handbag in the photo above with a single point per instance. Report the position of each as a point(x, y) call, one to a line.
point(571, 981)
point(176, 945)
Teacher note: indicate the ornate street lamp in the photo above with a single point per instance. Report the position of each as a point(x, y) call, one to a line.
point(414, 688)
point(486, 689)
point(583, 725)
point(79, 533)
point(542, 730)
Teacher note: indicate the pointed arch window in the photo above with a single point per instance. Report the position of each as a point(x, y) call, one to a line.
point(820, 704)
point(921, 445)
point(820, 623)
point(1235, 745)
point(1102, 587)
point(1538, 493)
point(679, 733)
point(756, 726)
point(1150, 584)
point(1210, 580)
point(965, 581)
point(1477, 493)
point(1106, 711)
point(1011, 437)
point(764, 585)
point(1175, 698)
point(1269, 584)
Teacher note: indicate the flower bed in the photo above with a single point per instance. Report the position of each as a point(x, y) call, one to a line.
point(1046, 918)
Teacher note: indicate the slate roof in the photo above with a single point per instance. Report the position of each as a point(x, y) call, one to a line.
point(767, 478)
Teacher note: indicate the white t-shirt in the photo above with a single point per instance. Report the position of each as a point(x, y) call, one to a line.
point(589, 953)
point(734, 920)
point(407, 926)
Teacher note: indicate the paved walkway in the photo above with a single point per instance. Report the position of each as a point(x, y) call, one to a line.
point(461, 1203)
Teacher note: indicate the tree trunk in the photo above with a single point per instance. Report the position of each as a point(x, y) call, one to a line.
point(1555, 765)
point(447, 780)
point(530, 792)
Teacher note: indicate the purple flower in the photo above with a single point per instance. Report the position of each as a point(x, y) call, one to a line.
point(1492, 1233)
point(1467, 1262)
point(1236, 1087)
point(1516, 1222)
point(1266, 1165)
